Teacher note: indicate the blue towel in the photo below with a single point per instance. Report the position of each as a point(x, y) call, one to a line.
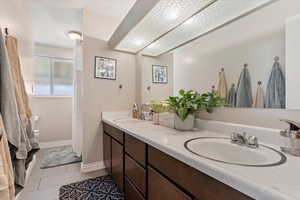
point(244, 89)
point(231, 99)
point(275, 94)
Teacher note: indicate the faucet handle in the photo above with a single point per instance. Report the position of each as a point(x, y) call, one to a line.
point(234, 136)
point(252, 142)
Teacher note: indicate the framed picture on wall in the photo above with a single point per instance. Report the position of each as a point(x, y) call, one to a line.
point(105, 68)
point(159, 74)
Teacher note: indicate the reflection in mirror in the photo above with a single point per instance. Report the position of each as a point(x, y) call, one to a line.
point(253, 62)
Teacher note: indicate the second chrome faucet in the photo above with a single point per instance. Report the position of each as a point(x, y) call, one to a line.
point(242, 139)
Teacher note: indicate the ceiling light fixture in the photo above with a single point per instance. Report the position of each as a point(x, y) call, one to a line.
point(189, 21)
point(138, 42)
point(75, 35)
point(172, 15)
point(152, 45)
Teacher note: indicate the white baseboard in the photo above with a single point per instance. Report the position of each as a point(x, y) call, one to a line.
point(90, 167)
point(45, 145)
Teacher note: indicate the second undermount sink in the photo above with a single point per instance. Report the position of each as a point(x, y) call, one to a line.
point(222, 150)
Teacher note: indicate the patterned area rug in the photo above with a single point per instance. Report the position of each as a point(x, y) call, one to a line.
point(100, 188)
point(59, 156)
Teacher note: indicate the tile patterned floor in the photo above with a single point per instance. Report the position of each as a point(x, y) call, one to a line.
point(45, 183)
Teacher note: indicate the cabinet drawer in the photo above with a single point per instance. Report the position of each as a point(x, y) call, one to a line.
point(195, 182)
point(114, 132)
point(131, 193)
point(136, 149)
point(136, 174)
point(159, 188)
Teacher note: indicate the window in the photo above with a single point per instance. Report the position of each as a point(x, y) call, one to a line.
point(53, 76)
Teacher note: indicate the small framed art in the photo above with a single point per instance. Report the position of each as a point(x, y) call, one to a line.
point(159, 74)
point(105, 68)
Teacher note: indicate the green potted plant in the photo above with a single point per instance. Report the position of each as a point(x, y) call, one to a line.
point(188, 103)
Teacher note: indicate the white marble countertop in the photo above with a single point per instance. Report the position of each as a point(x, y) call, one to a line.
point(262, 183)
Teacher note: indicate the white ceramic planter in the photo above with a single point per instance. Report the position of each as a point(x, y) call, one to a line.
point(186, 125)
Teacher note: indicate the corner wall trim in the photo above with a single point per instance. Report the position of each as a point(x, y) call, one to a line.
point(89, 167)
point(45, 145)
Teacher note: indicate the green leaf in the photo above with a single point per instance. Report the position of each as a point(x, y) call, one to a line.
point(181, 92)
point(189, 102)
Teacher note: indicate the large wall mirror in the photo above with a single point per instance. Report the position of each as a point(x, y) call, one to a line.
point(250, 68)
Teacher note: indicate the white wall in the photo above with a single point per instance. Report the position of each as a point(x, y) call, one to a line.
point(260, 36)
point(55, 117)
point(99, 26)
point(157, 92)
point(103, 95)
point(52, 51)
point(55, 112)
point(292, 62)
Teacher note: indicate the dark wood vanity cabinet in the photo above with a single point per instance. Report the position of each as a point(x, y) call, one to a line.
point(117, 167)
point(113, 153)
point(160, 188)
point(198, 184)
point(145, 173)
point(107, 152)
point(131, 192)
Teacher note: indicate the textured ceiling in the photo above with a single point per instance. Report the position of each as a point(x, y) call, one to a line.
point(163, 17)
point(216, 15)
point(172, 23)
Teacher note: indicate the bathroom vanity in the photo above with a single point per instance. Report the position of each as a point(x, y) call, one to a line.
point(150, 162)
point(141, 171)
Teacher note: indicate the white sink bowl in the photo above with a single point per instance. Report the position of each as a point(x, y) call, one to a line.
point(222, 150)
point(130, 121)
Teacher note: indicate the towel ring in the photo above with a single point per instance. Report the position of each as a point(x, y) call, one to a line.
point(276, 58)
point(259, 82)
point(6, 31)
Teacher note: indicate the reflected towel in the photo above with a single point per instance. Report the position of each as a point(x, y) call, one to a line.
point(275, 94)
point(259, 100)
point(231, 100)
point(244, 89)
point(222, 85)
point(7, 189)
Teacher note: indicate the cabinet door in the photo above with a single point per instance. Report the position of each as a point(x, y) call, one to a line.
point(131, 192)
point(107, 152)
point(117, 169)
point(159, 188)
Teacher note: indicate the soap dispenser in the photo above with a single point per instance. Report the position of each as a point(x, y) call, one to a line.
point(135, 111)
point(292, 136)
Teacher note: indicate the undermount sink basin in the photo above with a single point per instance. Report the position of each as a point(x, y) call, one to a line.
point(133, 121)
point(222, 150)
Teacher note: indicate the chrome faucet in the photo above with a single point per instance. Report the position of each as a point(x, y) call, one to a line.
point(243, 140)
point(238, 138)
point(292, 135)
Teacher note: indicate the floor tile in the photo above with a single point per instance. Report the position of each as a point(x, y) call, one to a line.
point(47, 194)
point(44, 184)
